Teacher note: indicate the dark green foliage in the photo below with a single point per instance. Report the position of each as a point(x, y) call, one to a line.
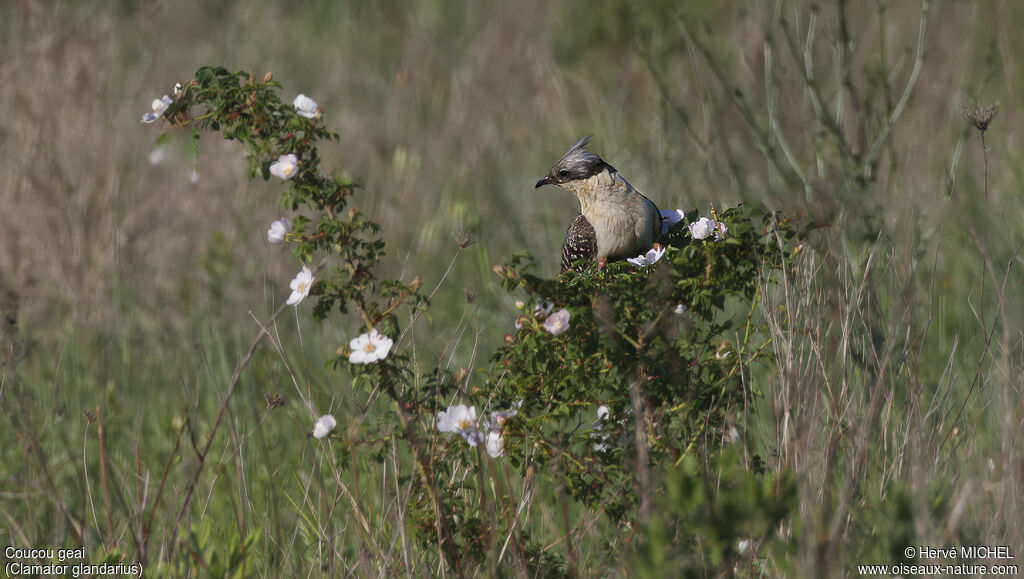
point(624, 333)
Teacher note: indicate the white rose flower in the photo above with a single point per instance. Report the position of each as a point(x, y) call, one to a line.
point(457, 417)
point(370, 347)
point(305, 106)
point(669, 218)
point(300, 286)
point(702, 228)
point(278, 230)
point(324, 425)
point(159, 106)
point(652, 256)
point(461, 420)
point(557, 322)
point(495, 444)
point(284, 167)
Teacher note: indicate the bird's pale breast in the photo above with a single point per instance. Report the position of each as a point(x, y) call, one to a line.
point(625, 222)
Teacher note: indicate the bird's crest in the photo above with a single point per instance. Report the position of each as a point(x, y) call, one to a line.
point(578, 163)
point(578, 148)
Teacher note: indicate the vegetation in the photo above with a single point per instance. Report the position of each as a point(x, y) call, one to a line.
point(833, 380)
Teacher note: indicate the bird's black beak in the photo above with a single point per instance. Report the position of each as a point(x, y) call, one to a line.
point(546, 180)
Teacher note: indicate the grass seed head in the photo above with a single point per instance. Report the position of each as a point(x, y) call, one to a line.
point(978, 116)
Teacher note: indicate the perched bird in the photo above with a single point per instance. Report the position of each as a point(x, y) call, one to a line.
point(616, 222)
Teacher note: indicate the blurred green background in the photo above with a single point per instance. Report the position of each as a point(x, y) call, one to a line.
point(132, 283)
point(448, 113)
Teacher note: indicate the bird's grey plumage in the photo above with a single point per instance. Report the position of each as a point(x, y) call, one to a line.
point(624, 222)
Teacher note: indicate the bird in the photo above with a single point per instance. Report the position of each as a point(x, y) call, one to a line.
point(616, 221)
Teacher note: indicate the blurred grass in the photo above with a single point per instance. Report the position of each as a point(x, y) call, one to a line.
point(134, 284)
point(448, 113)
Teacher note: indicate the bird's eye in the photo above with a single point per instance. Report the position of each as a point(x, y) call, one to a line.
point(563, 172)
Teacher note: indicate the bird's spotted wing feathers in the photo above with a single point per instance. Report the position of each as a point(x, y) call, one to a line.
point(580, 243)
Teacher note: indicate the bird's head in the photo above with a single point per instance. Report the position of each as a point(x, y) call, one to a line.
point(576, 166)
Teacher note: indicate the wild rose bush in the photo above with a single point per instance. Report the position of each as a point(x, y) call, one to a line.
point(664, 350)
point(607, 386)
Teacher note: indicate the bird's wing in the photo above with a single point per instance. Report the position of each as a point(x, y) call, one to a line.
point(580, 243)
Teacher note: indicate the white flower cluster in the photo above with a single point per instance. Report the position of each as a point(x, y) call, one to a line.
point(700, 229)
point(286, 166)
point(462, 420)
